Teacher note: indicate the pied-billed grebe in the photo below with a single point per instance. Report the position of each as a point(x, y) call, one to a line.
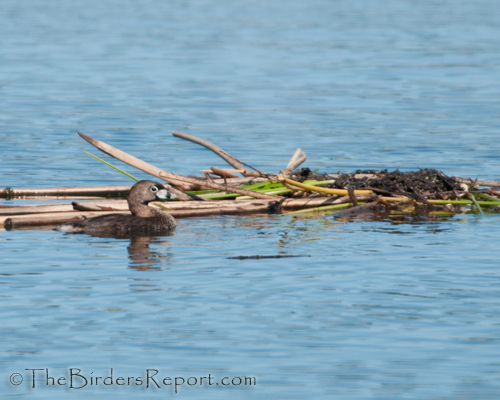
point(144, 220)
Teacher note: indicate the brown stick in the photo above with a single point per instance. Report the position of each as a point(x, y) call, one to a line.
point(356, 176)
point(18, 210)
point(137, 163)
point(476, 182)
point(222, 173)
point(150, 169)
point(122, 205)
point(241, 181)
point(217, 150)
point(69, 198)
point(352, 197)
point(295, 161)
point(231, 181)
point(110, 205)
point(293, 204)
point(170, 206)
point(103, 190)
point(48, 219)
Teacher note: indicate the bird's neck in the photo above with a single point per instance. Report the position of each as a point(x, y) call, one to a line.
point(141, 210)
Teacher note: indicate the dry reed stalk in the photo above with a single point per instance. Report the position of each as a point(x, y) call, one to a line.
point(297, 159)
point(223, 173)
point(293, 159)
point(110, 205)
point(175, 205)
point(217, 150)
point(137, 163)
point(356, 176)
point(51, 208)
point(150, 169)
point(219, 211)
point(222, 204)
point(69, 198)
point(64, 191)
point(241, 181)
point(294, 204)
point(477, 182)
point(49, 218)
point(231, 181)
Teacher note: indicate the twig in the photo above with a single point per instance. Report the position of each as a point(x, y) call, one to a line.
point(355, 176)
point(122, 205)
point(297, 163)
point(223, 173)
point(352, 197)
point(19, 210)
point(297, 159)
point(476, 182)
point(103, 190)
point(221, 153)
point(48, 219)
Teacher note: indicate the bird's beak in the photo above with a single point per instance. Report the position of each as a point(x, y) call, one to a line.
point(165, 194)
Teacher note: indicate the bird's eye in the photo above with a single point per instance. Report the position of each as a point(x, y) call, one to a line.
point(154, 189)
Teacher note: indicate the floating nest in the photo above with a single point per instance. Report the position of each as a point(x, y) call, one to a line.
point(379, 194)
point(425, 183)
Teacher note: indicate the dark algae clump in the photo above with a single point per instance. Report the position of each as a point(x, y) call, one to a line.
point(427, 183)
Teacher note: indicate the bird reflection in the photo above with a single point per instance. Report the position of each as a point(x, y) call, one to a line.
point(142, 257)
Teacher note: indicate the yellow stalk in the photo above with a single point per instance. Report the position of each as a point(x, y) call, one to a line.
point(341, 192)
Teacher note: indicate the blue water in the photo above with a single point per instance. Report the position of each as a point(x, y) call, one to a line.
point(371, 309)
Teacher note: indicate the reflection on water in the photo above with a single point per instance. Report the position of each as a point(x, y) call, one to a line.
point(142, 257)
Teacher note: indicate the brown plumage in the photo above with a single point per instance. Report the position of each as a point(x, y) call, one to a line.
point(143, 221)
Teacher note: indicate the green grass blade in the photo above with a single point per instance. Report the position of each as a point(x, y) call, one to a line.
point(476, 203)
point(486, 196)
point(111, 165)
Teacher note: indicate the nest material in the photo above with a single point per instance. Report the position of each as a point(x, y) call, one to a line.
point(426, 183)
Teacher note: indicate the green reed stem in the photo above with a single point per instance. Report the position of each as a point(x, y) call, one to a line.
point(111, 165)
point(485, 196)
point(476, 203)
